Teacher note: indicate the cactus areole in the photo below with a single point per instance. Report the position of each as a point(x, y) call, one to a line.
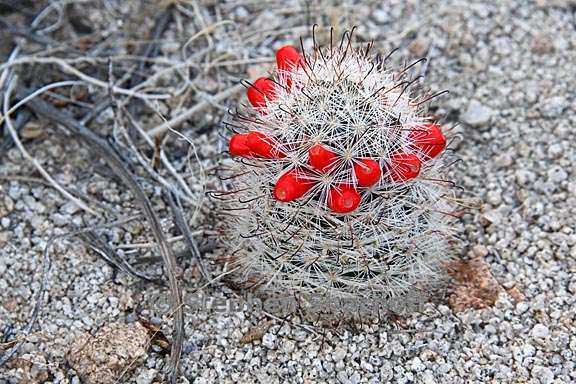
point(337, 189)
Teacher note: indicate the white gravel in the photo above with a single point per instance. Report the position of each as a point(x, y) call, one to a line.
point(509, 66)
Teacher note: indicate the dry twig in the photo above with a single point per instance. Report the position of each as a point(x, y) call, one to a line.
point(101, 146)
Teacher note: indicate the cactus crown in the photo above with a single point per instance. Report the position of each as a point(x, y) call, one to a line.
point(337, 190)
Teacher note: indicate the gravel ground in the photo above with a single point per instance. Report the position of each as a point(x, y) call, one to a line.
point(509, 66)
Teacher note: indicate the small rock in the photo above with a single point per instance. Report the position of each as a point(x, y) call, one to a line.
point(480, 250)
point(242, 13)
point(69, 208)
point(557, 175)
point(475, 286)
point(528, 350)
point(366, 366)
point(545, 375)
point(494, 198)
point(146, 377)
point(342, 377)
point(355, 378)
point(555, 151)
point(524, 177)
point(100, 359)
point(419, 47)
point(32, 130)
point(491, 217)
point(541, 44)
point(9, 204)
point(540, 331)
point(269, 340)
point(559, 239)
point(490, 329)
point(554, 106)
point(381, 15)
point(339, 354)
point(428, 378)
point(504, 160)
point(60, 220)
point(516, 294)
point(288, 346)
point(417, 365)
point(477, 114)
point(4, 237)
point(31, 366)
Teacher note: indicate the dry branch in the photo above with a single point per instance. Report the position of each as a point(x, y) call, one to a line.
point(101, 146)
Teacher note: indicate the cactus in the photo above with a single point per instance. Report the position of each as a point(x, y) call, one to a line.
point(337, 192)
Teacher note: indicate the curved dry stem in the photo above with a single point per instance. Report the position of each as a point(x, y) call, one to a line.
point(6, 102)
point(117, 165)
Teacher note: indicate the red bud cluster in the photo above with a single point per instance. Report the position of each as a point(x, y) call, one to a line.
point(427, 142)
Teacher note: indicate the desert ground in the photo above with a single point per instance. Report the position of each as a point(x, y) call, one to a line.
point(96, 191)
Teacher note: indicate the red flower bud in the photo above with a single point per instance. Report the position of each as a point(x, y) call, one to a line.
point(287, 58)
point(428, 139)
point(263, 89)
point(263, 145)
point(321, 158)
point(367, 171)
point(343, 198)
point(292, 185)
point(404, 167)
point(238, 145)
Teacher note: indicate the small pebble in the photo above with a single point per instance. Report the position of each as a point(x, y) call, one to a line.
point(477, 115)
point(540, 331)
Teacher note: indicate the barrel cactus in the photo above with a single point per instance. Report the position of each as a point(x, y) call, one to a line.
point(336, 193)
